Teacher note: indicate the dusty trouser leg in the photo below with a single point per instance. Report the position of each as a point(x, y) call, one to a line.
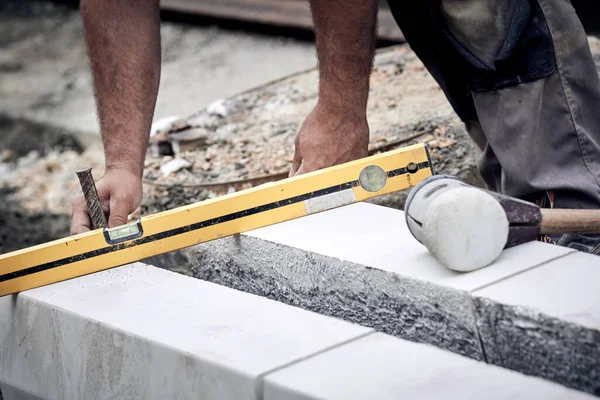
point(527, 91)
point(545, 131)
point(485, 29)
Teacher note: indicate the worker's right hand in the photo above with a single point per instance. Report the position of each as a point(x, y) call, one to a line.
point(328, 138)
point(120, 192)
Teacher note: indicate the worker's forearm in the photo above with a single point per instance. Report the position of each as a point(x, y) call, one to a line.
point(123, 39)
point(345, 31)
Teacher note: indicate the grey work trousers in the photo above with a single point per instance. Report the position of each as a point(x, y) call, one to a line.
point(520, 75)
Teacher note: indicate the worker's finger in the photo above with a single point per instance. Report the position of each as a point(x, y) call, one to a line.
point(296, 161)
point(80, 218)
point(301, 170)
point(119, 211)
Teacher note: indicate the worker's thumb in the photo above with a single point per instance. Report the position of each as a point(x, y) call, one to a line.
point(301, 170)
point(296, 161)
point(119, 211)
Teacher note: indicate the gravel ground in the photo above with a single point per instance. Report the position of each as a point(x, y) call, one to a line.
point(251, 135)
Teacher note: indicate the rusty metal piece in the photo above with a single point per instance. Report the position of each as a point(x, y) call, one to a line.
point(91, 198)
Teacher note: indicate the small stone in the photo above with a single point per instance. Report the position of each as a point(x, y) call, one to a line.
point(280, 163)
point(5, 155)
point(218, 108)
point(173, 166)
point(445, 143)
point(164, 124)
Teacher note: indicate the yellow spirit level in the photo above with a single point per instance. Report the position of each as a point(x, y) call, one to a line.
point(230, 214)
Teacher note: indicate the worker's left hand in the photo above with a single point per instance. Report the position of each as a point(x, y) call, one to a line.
point(329, 138)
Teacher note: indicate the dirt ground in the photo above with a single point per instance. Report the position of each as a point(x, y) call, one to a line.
point(44, 73)
point(247, 136)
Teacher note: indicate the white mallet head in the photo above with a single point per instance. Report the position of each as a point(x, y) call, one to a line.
point(464, 228)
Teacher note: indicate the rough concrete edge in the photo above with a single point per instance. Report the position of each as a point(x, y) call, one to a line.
point(426, 313)
point(525, 340)
point(392, 304)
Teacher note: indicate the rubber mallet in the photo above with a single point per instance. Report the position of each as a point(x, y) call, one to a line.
point(466, 228)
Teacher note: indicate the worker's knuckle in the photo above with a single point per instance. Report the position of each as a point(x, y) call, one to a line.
point(117, 220)
point(121, 197)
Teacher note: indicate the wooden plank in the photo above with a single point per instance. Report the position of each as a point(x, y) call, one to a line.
point(292, 13)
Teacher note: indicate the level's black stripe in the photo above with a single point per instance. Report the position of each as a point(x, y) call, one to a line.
point(402, 171)
point(193, 227)
point(178, 231)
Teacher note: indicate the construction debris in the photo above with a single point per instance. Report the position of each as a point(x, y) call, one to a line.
point(248, 139)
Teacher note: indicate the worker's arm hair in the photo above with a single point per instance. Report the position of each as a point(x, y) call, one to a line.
point(345, 39)
point(123, 39)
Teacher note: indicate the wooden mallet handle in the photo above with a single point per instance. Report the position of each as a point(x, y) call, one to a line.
point(559, 221)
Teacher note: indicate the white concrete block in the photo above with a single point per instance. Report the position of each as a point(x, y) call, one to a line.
point(382, 367)
point(567, 289)
point(139, 332)
point(378, 237)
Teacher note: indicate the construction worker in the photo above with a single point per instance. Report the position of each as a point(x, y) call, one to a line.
point(519, 73)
